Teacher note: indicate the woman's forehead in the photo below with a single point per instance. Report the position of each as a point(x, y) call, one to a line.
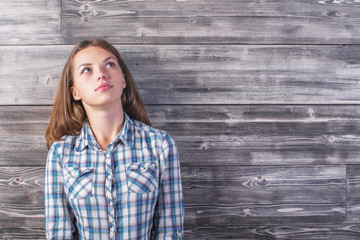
point(91, 55)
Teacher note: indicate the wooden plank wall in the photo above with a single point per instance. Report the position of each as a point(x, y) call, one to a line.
point(262, 98)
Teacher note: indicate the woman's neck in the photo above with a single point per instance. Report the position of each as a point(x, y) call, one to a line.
point(106, 124)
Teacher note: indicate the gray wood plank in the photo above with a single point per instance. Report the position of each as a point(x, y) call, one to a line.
point(22, 228)
point(237, 216)
point(267, 231)
point(214, 134)
point(207, 113)
point(231, 186)
point(25, 191)
point(31, 229)
point(22, 203)
point(32, 73)
point(353, 194)
point(243, 185)
point(207, 74)
point(308, 206)
point(261, 22)
point(30, 22)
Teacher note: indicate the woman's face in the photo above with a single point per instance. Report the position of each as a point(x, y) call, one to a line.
point(97, 77)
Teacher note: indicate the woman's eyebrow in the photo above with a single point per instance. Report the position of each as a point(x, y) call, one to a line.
point(107, 59)
point(83, 65)
point(88, 64)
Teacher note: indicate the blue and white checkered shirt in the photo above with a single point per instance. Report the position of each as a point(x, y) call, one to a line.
point(131, 191)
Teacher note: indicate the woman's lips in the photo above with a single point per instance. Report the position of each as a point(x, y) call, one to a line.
point(103, 87)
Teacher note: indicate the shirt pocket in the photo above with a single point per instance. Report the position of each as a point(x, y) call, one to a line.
point(78, 182)
point(141, 176)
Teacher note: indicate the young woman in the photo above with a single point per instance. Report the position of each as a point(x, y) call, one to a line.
point(109, 174)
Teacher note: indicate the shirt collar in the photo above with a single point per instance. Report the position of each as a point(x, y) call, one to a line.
point(87, 137)
point(126, 132)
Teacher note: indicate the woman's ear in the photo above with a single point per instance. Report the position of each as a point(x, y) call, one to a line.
point(75, 94)
point(124, 83)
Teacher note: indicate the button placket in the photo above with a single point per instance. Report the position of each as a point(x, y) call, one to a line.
point(112, 232)
point(108, 194)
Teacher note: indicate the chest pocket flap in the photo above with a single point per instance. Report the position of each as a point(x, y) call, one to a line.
point(141, 176)
point(78, 182)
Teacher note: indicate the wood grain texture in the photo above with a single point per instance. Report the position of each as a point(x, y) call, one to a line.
point(233, 216)
point(30, 22)
point(214, 134)
point(22, 228)
point(220, 74)
point(353, 194)
point(22, 203)
point(299, 195)
point(261, 97)
point(234, 186)
point(26, 185)
point(32, 73)
point(19, 229)
point(260, 22)
point(267, 231)
point(16, 229)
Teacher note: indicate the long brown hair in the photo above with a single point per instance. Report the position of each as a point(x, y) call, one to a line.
point(68, 114)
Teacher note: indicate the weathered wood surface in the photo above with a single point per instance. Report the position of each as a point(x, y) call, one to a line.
point(267, 231)
point(353, 194)
point(30, 22)
point(221, 197)
point(16, 229)
point(221, 74)
point(264, 188)
point(44, 22)
point(22, 203)
point(262, 98)
point(265, 185)
point(260, 22)
point(26, 185)
point(22, 228)
point(215, 134)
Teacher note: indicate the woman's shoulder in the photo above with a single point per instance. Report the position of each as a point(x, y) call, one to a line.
point(157, 138)
point(141, 127)
point(142, 130)
point(67, 141)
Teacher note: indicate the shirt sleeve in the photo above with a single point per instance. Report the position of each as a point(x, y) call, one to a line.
point(169, 212)
point(58, 214)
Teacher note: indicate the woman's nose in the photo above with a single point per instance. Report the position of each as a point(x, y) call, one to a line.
point(101, 75)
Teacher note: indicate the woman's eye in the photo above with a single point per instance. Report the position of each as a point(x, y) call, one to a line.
point(111, 64)
point(85, 70)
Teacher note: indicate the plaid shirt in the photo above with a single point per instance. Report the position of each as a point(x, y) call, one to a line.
point(131, 191)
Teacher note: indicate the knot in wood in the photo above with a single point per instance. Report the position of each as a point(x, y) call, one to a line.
point(31, 195)
point(87, 12)
point(247, 213)
point(16, 181)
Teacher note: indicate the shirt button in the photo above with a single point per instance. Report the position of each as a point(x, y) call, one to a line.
point(112, 232)
point(109, 177)
point(111, 204)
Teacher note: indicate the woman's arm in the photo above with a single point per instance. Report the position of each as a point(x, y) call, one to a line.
point(169, 212)
point(58, 214)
